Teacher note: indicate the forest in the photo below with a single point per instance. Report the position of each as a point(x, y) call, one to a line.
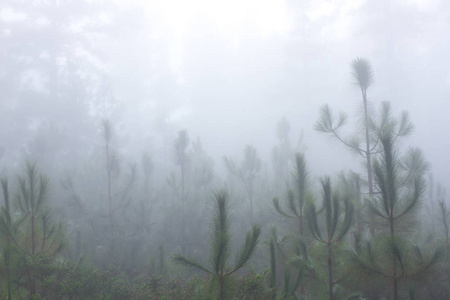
point(147, 153)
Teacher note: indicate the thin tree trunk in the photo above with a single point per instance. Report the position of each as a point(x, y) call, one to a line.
point(183, 204)
point(369, 162)
point(221, 288)
point(330, 273)
point(368, 157)
point(395, 288)
point(394, 262)
point(250, 193)
point(359, 220)
point(32, 236)
point(446, 234)
point(108, 177)
point(300, 219)
point(8, 273)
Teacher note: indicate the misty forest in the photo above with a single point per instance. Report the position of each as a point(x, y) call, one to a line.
point(271, 149)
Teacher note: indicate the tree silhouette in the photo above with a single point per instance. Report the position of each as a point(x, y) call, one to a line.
point(297, 197)
point(250, 167)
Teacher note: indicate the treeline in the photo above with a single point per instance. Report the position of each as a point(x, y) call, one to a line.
point(112, 230)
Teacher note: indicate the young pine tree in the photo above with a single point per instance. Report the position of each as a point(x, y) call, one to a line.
point(392, 253)
point(220, 246)
point(295, 209)
point(30, 231)
point(297, 196)
point(329, 226)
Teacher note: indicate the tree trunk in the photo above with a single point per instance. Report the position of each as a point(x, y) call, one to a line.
point(330, 273)
point(395, 288)
point(368, 157)
point(221, 288)
point(183, 204)
point(250, 193)
point(8, 273)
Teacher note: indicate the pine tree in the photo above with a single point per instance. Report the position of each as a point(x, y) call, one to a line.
point(220, 246)
point(399, 185)
point(247, 172)
point(182, 159)
point(6, 226)
point(30, 231)
point(328, 226)
point(297, 197)
point(364, 78)
point(362, 72)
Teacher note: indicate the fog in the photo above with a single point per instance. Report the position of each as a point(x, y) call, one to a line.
point(226, 72)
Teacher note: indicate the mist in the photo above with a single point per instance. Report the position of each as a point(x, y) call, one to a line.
point(142, 115)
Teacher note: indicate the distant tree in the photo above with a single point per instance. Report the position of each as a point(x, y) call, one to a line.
point(247, 172)
point(296, 197)
point(47, 93)
point(220, 247)
point(202, 167)
point(181, 146)
point(114, 220)
point(116, 200)
point(147, 169)
point(281, 154)
point(445, 219)
point(182, 158)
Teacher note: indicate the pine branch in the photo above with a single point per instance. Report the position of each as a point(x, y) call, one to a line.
point(179, 259)
point(247, 250)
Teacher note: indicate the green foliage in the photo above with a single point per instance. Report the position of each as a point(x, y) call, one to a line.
point(328, 226)
point(337, 221)
point(296, 198)
point(29, 232)
point(252, 286)
point(220, 245)
point(393, 260)
point(326, 122)
point(399, 180)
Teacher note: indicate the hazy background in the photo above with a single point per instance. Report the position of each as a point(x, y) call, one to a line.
point(227, 71)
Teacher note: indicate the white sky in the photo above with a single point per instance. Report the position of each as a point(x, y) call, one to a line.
point(177, 20)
